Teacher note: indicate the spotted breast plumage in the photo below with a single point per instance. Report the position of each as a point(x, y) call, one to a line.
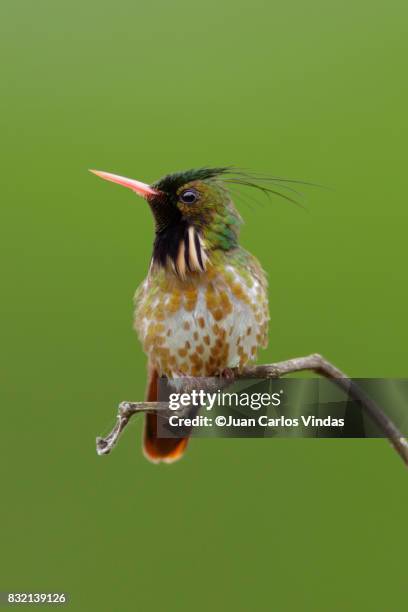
point(206, 324)
point(203, 309)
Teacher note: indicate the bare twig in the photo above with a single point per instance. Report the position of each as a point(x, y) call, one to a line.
point(315, 363)
point(125, 412)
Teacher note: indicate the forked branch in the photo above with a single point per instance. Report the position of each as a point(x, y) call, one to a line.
point(314, 363)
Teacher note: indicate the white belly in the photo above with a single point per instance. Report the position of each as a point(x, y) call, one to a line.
point(202, 328)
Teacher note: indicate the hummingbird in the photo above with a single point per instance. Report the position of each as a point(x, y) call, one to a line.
point(203, 308)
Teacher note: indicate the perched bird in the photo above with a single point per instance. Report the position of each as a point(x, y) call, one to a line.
point(202, 309)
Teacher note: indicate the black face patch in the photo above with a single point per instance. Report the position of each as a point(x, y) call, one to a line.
point(180, 246)
point(167, 242)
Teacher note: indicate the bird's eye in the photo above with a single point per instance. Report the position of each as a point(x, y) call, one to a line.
point(189, 196)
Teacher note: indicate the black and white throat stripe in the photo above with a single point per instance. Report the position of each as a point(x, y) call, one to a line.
point(191, 256)
point(181, 248)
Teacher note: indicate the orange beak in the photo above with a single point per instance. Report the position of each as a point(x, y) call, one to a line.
point(140, 188)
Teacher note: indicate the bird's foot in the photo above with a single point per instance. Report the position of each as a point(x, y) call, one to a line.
point(228, 373)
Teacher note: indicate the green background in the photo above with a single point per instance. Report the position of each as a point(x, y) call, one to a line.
point(311, 90)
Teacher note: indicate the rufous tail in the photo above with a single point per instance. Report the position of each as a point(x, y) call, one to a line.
point(159, 449)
